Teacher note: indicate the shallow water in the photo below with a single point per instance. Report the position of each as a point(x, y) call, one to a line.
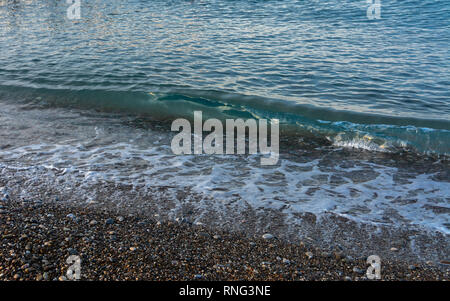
point(363, 103)
point(74, 150)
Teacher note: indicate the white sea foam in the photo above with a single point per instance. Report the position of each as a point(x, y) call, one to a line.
point(96, 150)
point(365, 191)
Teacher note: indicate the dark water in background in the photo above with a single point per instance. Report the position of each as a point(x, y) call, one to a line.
point(321, 67)
point(300, 61)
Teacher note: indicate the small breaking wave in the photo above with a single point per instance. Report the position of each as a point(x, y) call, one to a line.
point(344, 129)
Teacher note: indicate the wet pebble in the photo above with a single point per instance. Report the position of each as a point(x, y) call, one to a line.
point(267, 236)
point(204, 234)
point(72, 251)
point(358, 270)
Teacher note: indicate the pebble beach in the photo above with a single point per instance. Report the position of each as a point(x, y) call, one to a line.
point(37, 237)
point(110, 168)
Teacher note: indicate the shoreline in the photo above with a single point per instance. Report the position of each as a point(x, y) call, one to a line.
point(327, 231)
point(38, 236)
point(360, 202)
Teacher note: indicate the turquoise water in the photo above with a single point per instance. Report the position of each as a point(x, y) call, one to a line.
point(320, 66)
point(86, 107)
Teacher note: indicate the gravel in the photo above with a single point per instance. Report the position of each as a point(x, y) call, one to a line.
point(36, 241)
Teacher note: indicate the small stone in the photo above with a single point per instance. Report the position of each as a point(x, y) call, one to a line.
point(204, 234)
point(198, 276)
point(394, 249)
point(72, 251)
point(412, 267)
point(338, 255)
point(120, 219)
point(62, 278)
point(347, 278)
point(310, 255)
point(39, 277)
point(182, 220)
point(5, 197)
point(109, 221)
point(286, 261)
point(45, 276)
point(93, 222)
point(267, 236)
point(132, 249)
point(71, 216)
point(216, 236)
point(265, 264)
point(326, 254)
point(25, 266)
point(358, 270)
